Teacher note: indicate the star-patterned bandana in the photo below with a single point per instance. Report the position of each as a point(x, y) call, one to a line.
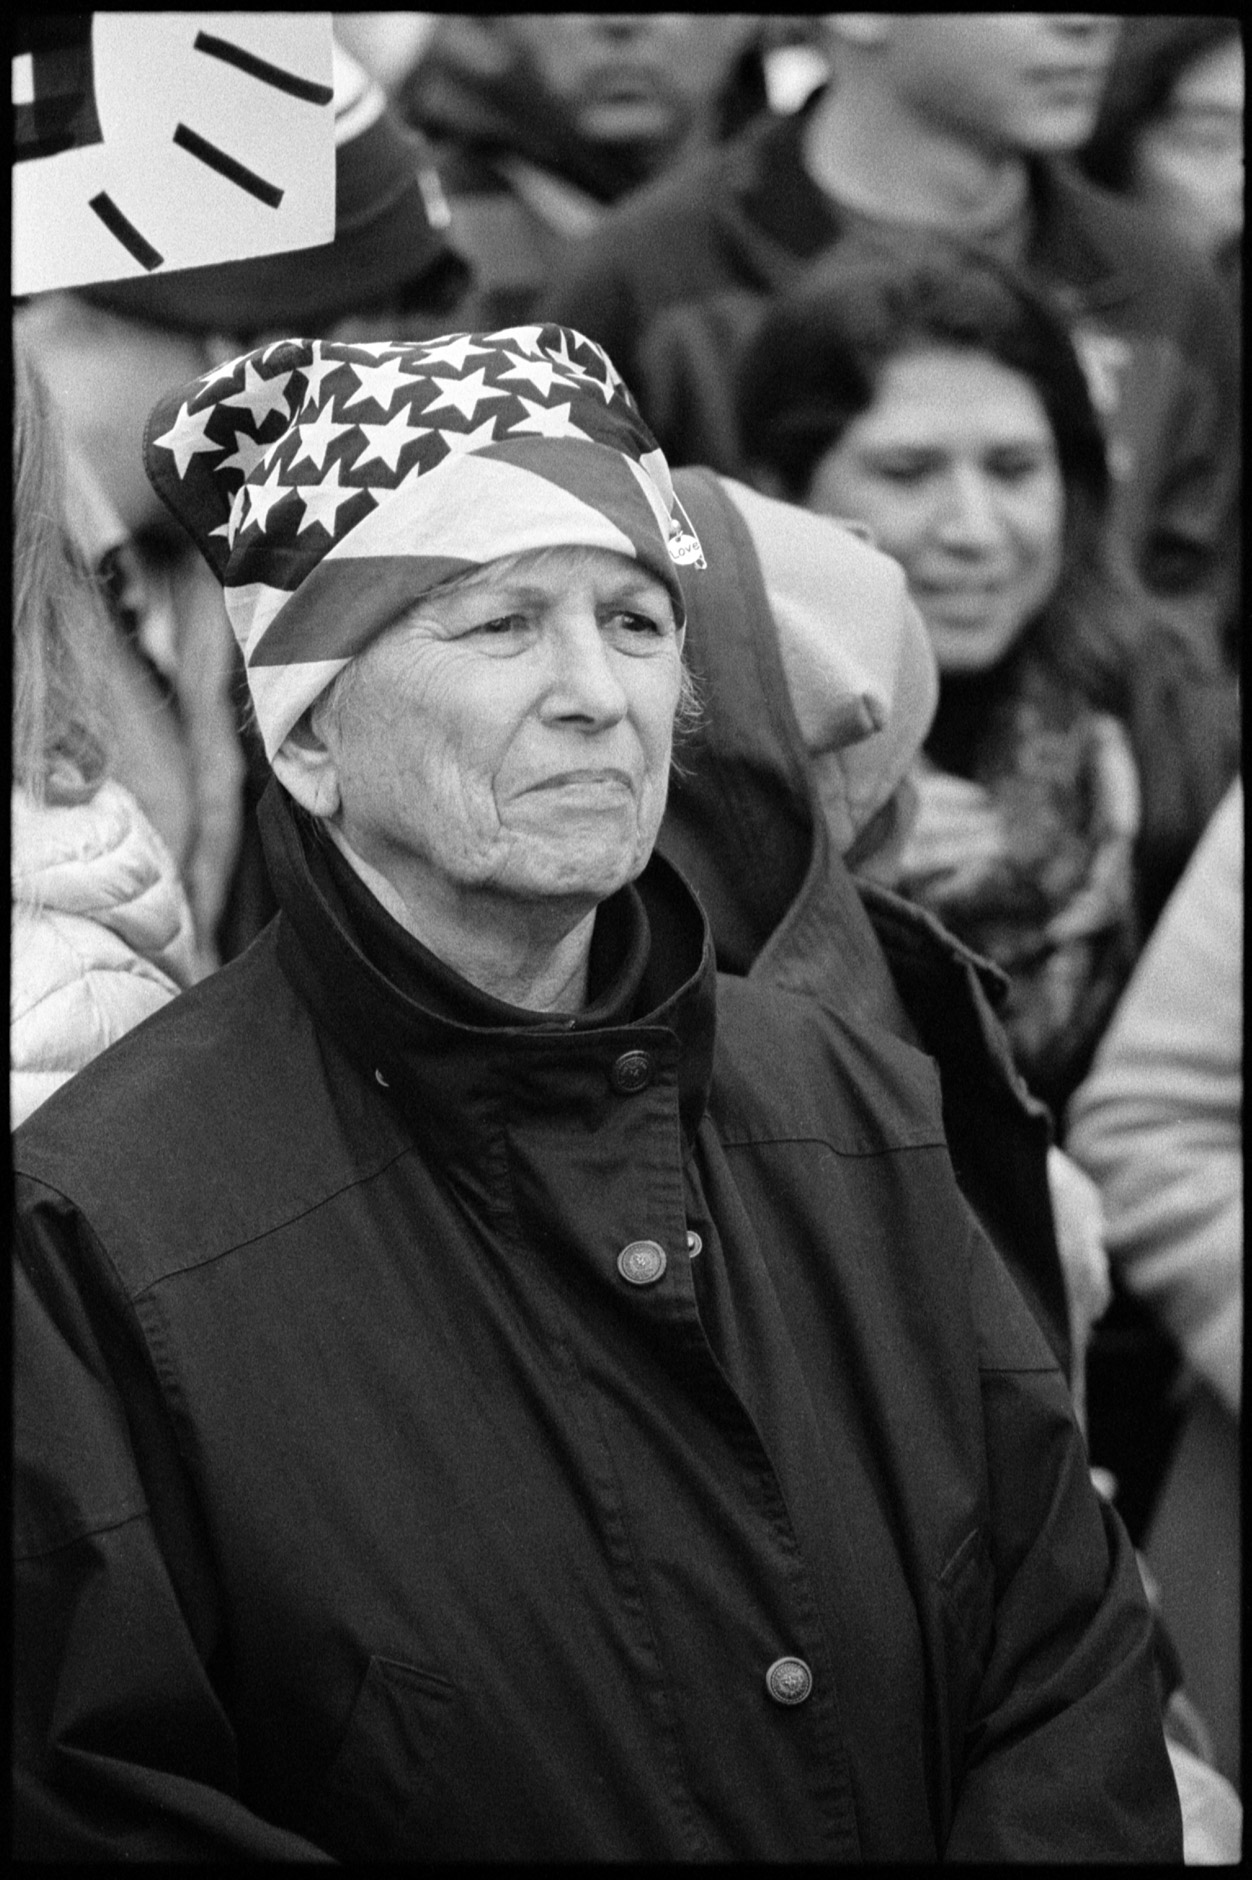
point(329, 486)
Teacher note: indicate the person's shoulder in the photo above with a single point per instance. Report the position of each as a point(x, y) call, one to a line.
point(167, 1068)
point(201, 1129)
point(1133, 243)
point(679, 205)
point(789, 1065)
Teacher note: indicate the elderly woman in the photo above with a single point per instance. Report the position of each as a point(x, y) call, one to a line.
point(488, 1388)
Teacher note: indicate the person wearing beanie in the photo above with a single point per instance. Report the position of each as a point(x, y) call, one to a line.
point(487, 1386)
point(109, 350)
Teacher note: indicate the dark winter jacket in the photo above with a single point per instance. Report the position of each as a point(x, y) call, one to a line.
point(673, 281)
point(445, 1431)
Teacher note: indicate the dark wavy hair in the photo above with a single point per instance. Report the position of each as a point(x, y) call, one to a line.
point(1153, 52)
point(815, 362)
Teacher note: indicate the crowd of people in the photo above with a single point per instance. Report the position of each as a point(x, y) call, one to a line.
point(626, 966)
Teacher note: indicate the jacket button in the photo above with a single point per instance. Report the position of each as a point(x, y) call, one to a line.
point(632, 1072)
point(641, 1263)
point(694, 1243)
point(789, 1680)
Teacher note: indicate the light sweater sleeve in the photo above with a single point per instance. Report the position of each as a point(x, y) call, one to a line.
point(1157, 1122)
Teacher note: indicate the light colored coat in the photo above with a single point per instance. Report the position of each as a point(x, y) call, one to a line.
point(101, 935)
point(1157, 1123)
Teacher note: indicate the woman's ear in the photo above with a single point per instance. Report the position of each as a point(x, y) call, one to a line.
point(219, 347)
point(305, 767)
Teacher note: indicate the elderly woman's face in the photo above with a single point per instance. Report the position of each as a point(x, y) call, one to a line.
point(510, 736)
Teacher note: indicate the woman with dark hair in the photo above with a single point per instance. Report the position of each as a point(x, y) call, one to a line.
point(1170, 128)
point(927, 393)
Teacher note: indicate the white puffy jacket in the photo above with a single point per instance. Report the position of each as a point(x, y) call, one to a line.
point(101, 935)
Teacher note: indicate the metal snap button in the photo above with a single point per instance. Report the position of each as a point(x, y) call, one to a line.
point(694, 1243)
point(789, 1680)
point(632, 1072)
point(641, 1263)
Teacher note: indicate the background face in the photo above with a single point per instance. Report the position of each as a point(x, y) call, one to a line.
point(1189, 163)
point(511, 736)
point(1009, 81)
point(954, 468)
point(631, 76)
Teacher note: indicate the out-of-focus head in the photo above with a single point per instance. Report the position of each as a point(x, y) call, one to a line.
point(59, 739)
point(602, 99)
point(925, 391)
point(390, 264)
point(1028, 82)
point(1170, 127)
point(110, 350)
point(330, 486)
point(629, 77)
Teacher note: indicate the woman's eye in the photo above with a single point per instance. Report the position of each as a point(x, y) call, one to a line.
point(501, 625)
point(639, 623)
point(903, 469)
point(1014, 466)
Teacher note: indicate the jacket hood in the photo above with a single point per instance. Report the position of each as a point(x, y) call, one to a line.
point(818, 685)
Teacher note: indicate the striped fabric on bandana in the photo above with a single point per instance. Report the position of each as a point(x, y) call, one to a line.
point(330, 485)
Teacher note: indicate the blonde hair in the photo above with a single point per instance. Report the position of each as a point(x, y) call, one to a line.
point(59, 618)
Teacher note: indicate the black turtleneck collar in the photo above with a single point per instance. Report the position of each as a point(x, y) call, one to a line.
point(411, 1020)
point(620, 946)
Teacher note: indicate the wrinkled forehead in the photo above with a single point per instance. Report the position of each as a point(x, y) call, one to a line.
point(552, 570)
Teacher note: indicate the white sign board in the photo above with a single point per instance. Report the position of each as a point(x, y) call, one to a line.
point(151, 141)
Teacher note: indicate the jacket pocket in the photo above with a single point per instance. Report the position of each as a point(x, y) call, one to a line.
point(381, 1775)
point(967, 1612)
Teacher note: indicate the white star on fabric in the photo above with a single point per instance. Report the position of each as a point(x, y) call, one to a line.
point(261, 499)
point(541, 373)
point(261, 396)
point(380, 382)
point(238, 505)
point(186, 436)
point(318, 368)
point(466, 394)
point(586, 378)
point(225, 371)
point(525, 338)
point(453, 352)
point(461, 442)
point(247, 453)
point(547, 421)
point(323, 501)
point(388, 440)
point(317, 437)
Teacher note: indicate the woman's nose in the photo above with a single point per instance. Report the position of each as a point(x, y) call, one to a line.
point(968, 515)
point(585, 684)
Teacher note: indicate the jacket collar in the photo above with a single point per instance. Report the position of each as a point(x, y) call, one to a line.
point(786, 218)
point(457, 1060)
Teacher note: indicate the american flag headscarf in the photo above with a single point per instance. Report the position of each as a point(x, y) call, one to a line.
point(330, 485)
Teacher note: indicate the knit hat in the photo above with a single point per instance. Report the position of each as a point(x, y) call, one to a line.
point(330, 485)
point(390, 242)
